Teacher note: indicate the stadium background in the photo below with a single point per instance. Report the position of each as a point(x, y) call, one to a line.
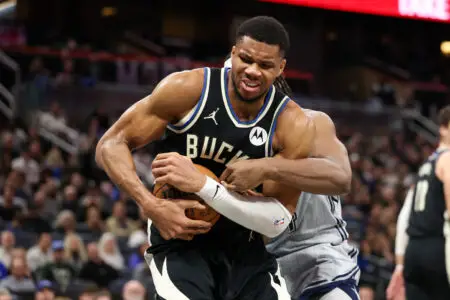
point(69, 68)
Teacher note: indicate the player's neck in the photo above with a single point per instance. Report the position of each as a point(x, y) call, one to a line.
point(245, 111)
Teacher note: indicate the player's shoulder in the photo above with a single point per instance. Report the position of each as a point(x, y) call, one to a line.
point(444, 158)
point(322, 120)
point(292, 122)
point(442, 163)
point(183, 83)
point(292, 112)
point(179, 91)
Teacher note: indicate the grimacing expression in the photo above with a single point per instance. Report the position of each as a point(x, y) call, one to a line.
point(256, 65)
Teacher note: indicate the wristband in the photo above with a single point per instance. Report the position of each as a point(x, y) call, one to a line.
point(209, 190)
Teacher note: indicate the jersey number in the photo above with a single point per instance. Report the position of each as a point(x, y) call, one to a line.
point(421, 195)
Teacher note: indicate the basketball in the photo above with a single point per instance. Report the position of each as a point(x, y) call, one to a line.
point(168, 192)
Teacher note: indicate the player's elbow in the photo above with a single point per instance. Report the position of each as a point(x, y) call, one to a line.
point(99, 149)
point(343, 182)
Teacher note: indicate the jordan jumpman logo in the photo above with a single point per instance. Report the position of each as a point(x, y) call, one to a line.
point(213, 116)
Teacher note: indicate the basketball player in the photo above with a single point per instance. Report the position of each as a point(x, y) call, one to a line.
point(425, 265)
point(214, 117)
point(314, 256)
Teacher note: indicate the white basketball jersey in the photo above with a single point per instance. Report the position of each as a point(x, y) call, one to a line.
point(313, 251)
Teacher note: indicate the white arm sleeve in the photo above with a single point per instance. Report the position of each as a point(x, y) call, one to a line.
point(402, 238)
point(261, 214)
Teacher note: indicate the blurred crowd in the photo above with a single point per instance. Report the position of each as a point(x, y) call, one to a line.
point(64, 228)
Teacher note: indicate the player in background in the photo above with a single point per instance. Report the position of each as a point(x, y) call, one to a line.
point(423, 228)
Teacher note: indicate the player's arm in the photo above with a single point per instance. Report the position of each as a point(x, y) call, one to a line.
point(396, 283)
point(294, 139)
point(265, 215)
point(328, 170)
point(143, 122)
point(402, 238)
point(443, 173)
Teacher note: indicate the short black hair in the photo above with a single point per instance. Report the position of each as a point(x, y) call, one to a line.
point(265, 29)
point(444, 116)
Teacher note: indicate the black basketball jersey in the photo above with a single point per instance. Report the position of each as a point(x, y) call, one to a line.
point(213, 136)
point(428, 207)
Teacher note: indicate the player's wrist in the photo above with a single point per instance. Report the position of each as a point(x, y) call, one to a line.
point(269, 168)
point(199, 183)
point(209, 189)
point(399, 267)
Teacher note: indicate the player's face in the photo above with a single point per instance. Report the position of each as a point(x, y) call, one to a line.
point(256, 65)
point(445, 133)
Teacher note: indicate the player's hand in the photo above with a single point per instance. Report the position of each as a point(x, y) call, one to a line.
point(178, 171)
point(170, 219)
point(244, 175)
point(396, 287)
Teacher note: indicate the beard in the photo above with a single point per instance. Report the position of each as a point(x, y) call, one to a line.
point(242, 98)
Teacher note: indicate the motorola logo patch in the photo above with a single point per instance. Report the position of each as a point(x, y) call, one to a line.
point(258, 136)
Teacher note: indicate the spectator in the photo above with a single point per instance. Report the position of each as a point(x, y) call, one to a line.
point(5, 294)
point(19, 280)
point(26, 164)
point(109, 251)
point(75, 251)
point(88, 293)
point(70, 200)
point(137, 257)
point(103, 295)
point(46, 290)
point(142, 273)
point(366, 293)
point(10, 206)
point(118, 224)
point(38, 216)
point(66, 222)
point(54, 160)
point(17, 179)
point(94, 222)
point(7, 244)
point(133, 290)
point(20, 253)
point(60, 270)
point(96, 270)
point(40, 254)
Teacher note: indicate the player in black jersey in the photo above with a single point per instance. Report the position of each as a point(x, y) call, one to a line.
point(425, 217)
point(214, 117)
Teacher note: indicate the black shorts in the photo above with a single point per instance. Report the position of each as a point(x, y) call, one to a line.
point(212, 273)
point(425, 270)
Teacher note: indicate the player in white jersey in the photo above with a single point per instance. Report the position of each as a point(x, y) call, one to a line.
point(315, 259)
point(314, 256)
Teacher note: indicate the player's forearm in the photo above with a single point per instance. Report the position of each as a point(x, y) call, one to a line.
point(116, 160)
point(262, 214)
point(399, 259)
point(312, 175)
point(447, 198)
point(402, 238)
